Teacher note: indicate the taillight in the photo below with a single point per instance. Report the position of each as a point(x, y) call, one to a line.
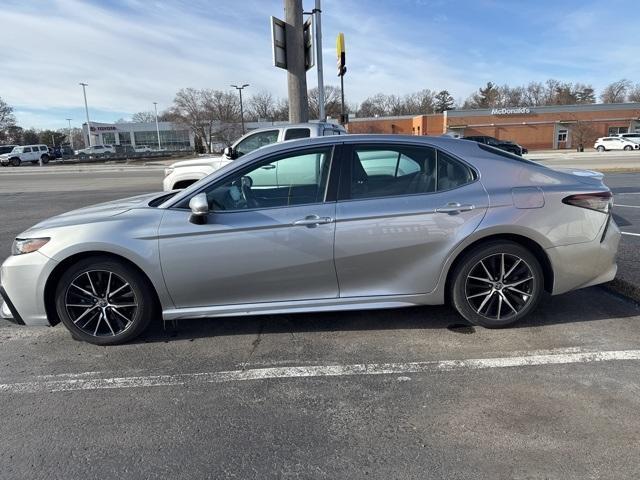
point(599, 201)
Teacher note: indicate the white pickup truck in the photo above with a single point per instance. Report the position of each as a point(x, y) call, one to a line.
point(182, 174)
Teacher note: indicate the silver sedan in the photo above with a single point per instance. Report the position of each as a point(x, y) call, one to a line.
point(336, 223)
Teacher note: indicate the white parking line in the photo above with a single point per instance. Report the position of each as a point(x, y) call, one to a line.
point(631, 234)
point(626, 206)
point(74, 384)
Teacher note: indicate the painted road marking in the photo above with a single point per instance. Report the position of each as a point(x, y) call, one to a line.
point(626, 206)
point(75, 382)
point(631, 234)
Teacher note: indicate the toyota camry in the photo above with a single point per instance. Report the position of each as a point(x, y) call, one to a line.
point(335, 223)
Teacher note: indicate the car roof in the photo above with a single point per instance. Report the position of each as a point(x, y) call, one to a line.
point(298, 125)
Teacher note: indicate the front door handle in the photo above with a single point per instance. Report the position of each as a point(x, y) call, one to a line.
point(312, 221)
point(455, 207)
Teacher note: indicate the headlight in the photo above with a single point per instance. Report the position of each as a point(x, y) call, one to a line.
point(168, 171)
point(27, 245)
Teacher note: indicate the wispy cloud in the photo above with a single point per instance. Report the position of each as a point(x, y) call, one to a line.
point(135, 52)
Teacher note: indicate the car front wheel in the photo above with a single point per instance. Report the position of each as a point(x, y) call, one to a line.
point(104, 301)
point(628, 147)
point(496, 284)
point(15, 162)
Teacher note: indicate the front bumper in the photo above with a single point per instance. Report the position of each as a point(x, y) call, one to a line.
point(22, 282)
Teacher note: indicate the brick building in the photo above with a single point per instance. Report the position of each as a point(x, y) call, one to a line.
point(548, 127)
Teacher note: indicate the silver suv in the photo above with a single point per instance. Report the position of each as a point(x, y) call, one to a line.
point(26, 153)
point(182, 174)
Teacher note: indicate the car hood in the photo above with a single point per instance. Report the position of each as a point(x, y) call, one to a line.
point(199, 162)
point(99, 212)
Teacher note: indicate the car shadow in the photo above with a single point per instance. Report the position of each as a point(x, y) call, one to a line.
point(586, 305)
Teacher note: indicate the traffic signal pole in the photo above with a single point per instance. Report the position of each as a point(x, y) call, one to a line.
point(296, 73)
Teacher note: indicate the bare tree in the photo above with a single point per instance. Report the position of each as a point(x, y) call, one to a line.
point(616, 92)
point(187, 110)
point(634, 93)
point(261, 106)
point(331, 102)
point(143, 117)
point(582, 133)
point(6, 118)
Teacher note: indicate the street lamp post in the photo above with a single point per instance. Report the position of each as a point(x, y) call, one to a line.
point(86, 109)
point(241, 111)
point(155, 106)
point(70, 135)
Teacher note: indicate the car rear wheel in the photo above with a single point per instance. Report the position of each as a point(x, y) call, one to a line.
point(104, 301)
point(15, 162)
point(497, 284)
point(600, 148)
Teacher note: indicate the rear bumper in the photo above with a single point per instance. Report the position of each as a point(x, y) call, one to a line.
point(585, 264)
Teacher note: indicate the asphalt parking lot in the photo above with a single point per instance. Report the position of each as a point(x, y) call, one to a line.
point(407, 393)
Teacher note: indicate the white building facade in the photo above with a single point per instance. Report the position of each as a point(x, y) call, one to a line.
point(172, 136)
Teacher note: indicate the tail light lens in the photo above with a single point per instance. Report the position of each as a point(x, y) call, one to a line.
point(599, 201)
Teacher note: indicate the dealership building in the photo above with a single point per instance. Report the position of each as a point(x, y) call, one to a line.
point(172, 136)
point(535, 128)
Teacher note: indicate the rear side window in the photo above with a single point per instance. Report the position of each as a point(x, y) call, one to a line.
point(451, 173)
point(43, 148)
point(293, 133)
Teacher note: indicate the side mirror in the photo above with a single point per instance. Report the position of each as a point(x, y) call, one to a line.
point(230, 153)
point(199, 206)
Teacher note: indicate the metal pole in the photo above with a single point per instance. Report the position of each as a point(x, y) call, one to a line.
point(317, 11)
point(86, 109)
point(155, 106)
point(241, 110)
point(296, 73)
point(342, 99)
point(70, 135)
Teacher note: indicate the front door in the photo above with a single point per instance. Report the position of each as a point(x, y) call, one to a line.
point(269, 236)
point(400, 212)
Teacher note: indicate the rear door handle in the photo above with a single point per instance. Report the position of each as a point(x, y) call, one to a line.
point(312, 221)
point(455, 207)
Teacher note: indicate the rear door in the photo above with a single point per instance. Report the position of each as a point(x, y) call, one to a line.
point(401, 209)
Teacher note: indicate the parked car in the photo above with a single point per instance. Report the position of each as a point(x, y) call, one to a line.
point(97, 150)
point(633, 136)
point(182, 174)
point(7, 148)
point(505, 145)
point(142, 149)
point(333, 223)
point(26, 153)
point(615, 143)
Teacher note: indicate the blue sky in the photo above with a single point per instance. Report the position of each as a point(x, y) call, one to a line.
point(135, 52)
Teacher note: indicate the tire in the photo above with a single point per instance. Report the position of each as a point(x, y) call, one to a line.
point(83, 305)
point(628, 148)
point(15, 162)
point(45, 159)
point(495, 304)
point(600, 148)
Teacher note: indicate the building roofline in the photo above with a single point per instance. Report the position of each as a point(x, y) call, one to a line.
point(582, 107)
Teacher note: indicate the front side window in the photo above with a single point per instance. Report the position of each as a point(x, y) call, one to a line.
point(255, 141)
point(396, 171)
point(294, 179)
point(26, 150)
point(293, 133)
point(44, 149)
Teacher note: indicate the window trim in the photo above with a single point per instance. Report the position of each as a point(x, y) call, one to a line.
point(329, 195)
point(344, 188)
